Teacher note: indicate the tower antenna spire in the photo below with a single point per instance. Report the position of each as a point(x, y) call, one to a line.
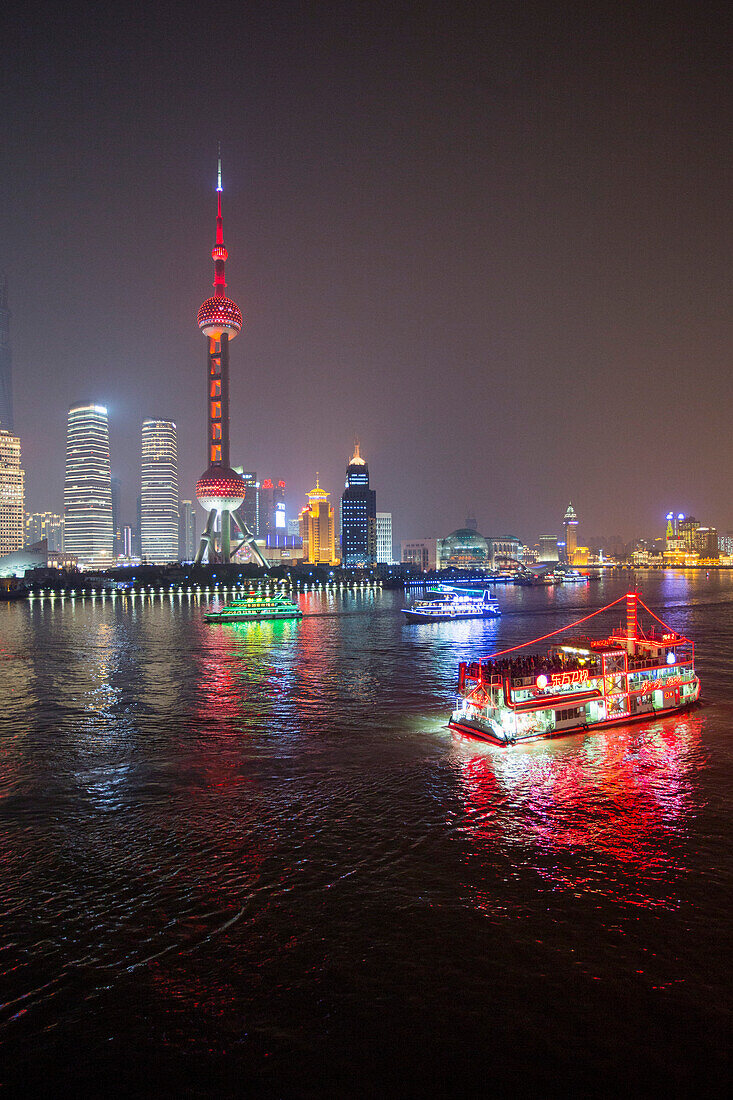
point(219, 254)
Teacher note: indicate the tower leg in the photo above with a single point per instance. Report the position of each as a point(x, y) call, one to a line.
point(208, 539)
point(226, 543)
point(248, 538)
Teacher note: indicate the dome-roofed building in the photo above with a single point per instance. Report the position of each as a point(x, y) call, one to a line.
point(465, 549)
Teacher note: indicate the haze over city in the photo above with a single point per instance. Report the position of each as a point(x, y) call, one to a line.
point(489, 243)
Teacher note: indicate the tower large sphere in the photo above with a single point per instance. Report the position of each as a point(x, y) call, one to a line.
point(221, 488)
point(218, 315)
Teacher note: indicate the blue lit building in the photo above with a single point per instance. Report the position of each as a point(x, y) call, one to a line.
point(358, 515)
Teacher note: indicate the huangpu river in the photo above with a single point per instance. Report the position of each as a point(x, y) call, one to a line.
point(251, 859)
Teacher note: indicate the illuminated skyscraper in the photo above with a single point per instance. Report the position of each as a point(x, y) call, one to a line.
point(45, 525)
point(385, 551)
point(251, 506)
point(317, 528)
point(358, 515)
point(6, 362)
point(220, 490)
point(272, 519)
point(547, 548)
point(159, 492)
point(687, 530)
point(11, 494)
point(570, 527)
point(127, 542)
point(88, 533)
point(187, 531)
point(116, 520)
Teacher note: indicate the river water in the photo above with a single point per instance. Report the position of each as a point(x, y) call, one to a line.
point(252, 859)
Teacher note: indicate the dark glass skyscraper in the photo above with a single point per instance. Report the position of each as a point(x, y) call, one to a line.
point(271, 519)
point(358, 515)
point(6, 364)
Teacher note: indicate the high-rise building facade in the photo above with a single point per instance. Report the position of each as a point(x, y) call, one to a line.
point(251, 507)
point(570, 527)
point(159, 491)
point(6, 362)
point(271, 519)
point(687, 530)
point(116, 485)
point(358, 515)
point(547, 548)
point(384, 538)
point(706, 542)
point(88, 532)
point(317, 528)
point(12, 500)
point(187, 543)
point(45, 525)
point(128, 550)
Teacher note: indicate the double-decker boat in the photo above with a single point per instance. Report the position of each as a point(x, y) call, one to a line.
point(453, 603)
point(580, 684)
point(255, 606)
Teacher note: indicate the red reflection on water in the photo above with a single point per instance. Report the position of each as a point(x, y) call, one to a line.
point(623, 794)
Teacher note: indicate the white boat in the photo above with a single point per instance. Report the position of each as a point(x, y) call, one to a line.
point(448, 604)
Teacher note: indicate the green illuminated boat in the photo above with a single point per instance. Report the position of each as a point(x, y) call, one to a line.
point(255, 607)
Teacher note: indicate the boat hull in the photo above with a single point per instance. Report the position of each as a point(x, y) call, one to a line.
point(478, 733)
point(251, 616)
point(421, 617)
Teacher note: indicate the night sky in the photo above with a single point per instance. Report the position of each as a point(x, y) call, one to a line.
point(490, 240)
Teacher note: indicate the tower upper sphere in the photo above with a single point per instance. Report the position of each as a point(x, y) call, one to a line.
point(219, 314)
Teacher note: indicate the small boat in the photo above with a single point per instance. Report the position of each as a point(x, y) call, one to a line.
point(448, 604)
point(255, 607)
point(582, 684)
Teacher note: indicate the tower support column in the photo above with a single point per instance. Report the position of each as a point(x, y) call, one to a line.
point(208, 539)
point(226, 543)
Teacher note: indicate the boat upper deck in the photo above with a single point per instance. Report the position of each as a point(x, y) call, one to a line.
point(580, 659)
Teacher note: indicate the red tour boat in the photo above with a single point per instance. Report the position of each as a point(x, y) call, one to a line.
point(580, 683)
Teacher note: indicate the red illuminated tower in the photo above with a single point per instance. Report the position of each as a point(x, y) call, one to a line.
point(220, 490)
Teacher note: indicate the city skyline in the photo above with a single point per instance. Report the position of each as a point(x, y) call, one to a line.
point(557, 256)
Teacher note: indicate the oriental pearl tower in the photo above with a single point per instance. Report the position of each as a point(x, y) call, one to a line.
point(220, 490)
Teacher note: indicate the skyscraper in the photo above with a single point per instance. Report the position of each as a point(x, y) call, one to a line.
point(385, 550)
point(116, 521)
point(687, 530)
point(187, 531)
point(548, 548)
point(6, 362)
point(358, 515)
point(220, 489)
point(272, 519)
point(159, 491)
point(317, 528)
point(570, 527)
point(88, 533)
point(251, 506)
point(11, 494)
point(45, 525)
point(127, 542)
